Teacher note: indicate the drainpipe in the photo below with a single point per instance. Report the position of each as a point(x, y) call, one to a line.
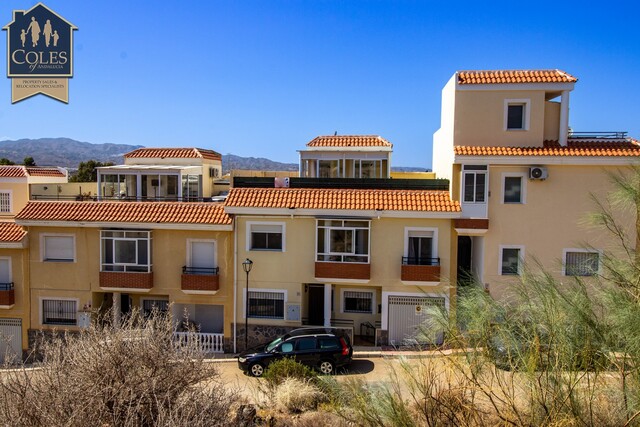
point(235, 283)
point(564, 118)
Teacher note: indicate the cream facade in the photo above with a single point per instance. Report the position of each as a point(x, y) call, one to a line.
point(524, 180)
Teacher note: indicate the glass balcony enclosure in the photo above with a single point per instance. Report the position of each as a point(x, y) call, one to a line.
point(138, 182)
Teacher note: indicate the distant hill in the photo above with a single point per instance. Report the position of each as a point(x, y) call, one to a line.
point(64, 152)
point(67, 152)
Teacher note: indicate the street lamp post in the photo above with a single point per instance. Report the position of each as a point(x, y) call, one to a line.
point(247, 264)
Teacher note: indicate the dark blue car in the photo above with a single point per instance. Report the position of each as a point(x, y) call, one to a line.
point(324, 349)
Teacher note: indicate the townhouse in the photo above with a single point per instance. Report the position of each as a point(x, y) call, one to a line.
point(342, 245)
point(524, 179)
point(149, 238)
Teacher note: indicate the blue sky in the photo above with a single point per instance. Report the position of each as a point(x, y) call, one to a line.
point(262, 78)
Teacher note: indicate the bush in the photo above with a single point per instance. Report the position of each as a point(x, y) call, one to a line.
point(280, 370)
point(295, 395)
point(133, 375)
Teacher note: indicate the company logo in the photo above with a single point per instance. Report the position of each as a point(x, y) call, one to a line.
point(39, 53)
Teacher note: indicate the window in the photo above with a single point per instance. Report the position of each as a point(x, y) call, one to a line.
point(358, 302)
point(201, 257)
point(511, 260)
point(513, 188)
point(266, 305)
point(127, 251)
point(5, 201)
point(306, 344)
point(516, 116)
point(330, 168)
point(265, 237)
point(59, 312)
point(328, 343)
point(474, 184)
point(420, 247)
point(58, 248)
point(581, 263)
point(148, 305)
point(5, 274)
point(343, 241)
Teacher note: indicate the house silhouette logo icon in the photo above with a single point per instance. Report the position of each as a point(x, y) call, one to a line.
point(39, 53)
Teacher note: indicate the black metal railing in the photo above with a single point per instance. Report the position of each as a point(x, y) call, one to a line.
point(350, 183)
point(420, 261)
point(200, 270)
point(121, 199)
point(6, 286)
point(606, 135)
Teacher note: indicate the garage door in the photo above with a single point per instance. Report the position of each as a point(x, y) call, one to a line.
point(406, 314)
point(10, 340)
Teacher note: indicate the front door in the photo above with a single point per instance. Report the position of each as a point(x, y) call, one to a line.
point(316, 305)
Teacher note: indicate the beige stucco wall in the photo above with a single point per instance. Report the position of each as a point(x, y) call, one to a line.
point(295, 267)
point(551, 121)
point(19, 196)
point(20, 278)
point(80, 280)
point(479, 118)
point(553, 219)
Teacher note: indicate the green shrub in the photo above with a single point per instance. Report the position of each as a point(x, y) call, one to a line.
point(282, 369)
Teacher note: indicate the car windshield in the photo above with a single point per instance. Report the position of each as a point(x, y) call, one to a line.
point(273, 344)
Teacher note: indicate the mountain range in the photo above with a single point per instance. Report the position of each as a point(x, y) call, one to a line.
point(67, 152)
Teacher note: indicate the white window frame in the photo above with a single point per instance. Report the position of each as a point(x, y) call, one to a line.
point(283, 231)
point(520, 259)
point(10, 194)
point(434, 239)
point(189, 260)
point(284, 292)
point(8, 259)
point(327, 240)
point(581, 250)
point(373, 300)
point(41, 309)
point(43, 255)
point(523, 187)
point(125, 266)
point(476, 172)
point(527, 113)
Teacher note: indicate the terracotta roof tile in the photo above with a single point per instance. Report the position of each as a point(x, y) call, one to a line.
point(139, 212)
point(588, 148)
point(52, 172)
point(349, 141)
point(336, 199)
point(11, 232)
point(514, 76)
point(174, 153)
point(12, 172)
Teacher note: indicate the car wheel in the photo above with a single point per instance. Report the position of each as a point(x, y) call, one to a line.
point(256, 370)
point(326, 367)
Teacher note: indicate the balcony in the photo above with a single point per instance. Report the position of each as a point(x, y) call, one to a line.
point(420, 269)
point(196, 280)
point(343, 270)
point(7, 295)
point(120, 281)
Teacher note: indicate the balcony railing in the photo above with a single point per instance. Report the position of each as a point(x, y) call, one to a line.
point(420, 269)
point(200, 280)
point(7, 295)
point(139, 281)
point(200, 270)
point(6, 286)
point(420, 261)
point(209, 343)
point(597, 135)
point(94, 198)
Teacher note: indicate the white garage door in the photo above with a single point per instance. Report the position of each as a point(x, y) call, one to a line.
point(406, 314)
point(10, 340)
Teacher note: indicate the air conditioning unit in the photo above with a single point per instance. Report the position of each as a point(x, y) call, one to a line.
point(213, 172)
point(538, 172)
